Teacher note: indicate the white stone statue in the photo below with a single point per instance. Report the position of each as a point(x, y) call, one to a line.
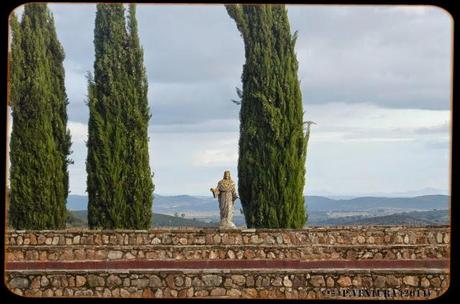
point(226, 193)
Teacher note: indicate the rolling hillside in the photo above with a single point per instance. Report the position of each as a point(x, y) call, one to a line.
point(202, 211)
point(79, 219)
point(195, 205)
point(413, 218)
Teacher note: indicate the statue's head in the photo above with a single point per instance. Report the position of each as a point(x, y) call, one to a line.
point(227, 175)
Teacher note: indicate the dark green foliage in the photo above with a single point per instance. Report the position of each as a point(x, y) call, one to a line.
point(272, 145)
point(77, 218)
point(119, 181)
point(139, 180)
point(40, 141)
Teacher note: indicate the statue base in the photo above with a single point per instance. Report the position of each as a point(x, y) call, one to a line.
point(227, 225)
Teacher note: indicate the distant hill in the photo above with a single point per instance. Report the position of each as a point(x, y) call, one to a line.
point(410, 193)
point(77, 202)
point(78, 218)
point(163, 220)
point(425, 202)
point(419, 210)
point(163, 204)
point(414, 218)
point(191, 205)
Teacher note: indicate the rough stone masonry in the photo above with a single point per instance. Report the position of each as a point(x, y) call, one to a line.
point(341, 262)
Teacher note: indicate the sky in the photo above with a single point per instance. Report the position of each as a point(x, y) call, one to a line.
point(376, 80)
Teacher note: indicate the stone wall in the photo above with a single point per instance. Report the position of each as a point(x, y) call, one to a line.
point(307, 244)
point(410, 284)
point(340, 262)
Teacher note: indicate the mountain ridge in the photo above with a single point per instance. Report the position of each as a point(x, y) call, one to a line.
point(194, 204)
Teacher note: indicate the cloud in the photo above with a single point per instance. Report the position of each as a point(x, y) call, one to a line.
point(353, 149)
point(375, 79)
point(78, 131)
point(193, 103)
point(207, 126)
point(191, 162)
point(410, 10)
point(76, 84)
point(385, 56)
point(77, 170)
point(345, 122)
point(75, 30)
point(347, 167)
point(442, 128)
point(393, 56)
point(220, 157)
point(190, 43)
point(224, 152)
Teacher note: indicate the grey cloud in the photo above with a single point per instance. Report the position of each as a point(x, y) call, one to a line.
point(182, 43)
point(392, 58)
point(76, 84)
point(194, 56)
point(190, 43)
point(208, 126)
point(435, 130)
point(438, 129)
point(75, 28)
point(191, 103)
point(78, 110)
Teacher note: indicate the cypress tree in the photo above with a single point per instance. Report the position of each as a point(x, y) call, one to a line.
point(106, 130)
point(40, 141)
point(139, 186)
point(272, 144)
point(60, 100)
point(119, 182)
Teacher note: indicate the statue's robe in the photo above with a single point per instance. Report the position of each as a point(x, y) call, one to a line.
point(226, 193)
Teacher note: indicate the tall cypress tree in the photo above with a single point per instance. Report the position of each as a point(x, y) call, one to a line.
point(106, 130)
point(60, 101)
point(139, 186)
point(272, 144)
point(119, 182)
point(40, 141)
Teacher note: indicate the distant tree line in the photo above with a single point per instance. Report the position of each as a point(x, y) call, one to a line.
point(271, 166)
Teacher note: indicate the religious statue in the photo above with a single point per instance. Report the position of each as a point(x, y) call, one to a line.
point(226, 193)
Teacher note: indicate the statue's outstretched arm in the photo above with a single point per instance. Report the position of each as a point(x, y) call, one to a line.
point(215, 192)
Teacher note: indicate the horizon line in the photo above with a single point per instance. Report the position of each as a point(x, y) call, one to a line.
point(394, 195)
